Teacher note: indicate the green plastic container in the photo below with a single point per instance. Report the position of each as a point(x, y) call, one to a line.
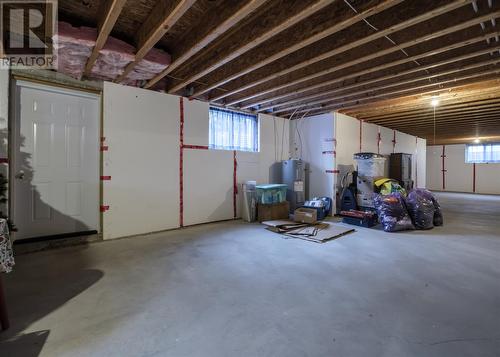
point(274, 193)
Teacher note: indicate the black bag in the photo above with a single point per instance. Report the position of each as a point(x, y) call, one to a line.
point(422, 209)
point(392, 212)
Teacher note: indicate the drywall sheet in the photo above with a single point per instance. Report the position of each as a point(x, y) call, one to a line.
point(386, 140)
point(347, 137)
point(421, 155)
point(196, 122)
point(459, 176)
point(433, 168)
point(141, 128)
point(312, 141)
point(208, 186)
point(369, 137)
point(488, 178)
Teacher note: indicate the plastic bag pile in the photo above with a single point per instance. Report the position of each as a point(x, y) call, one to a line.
point(419, 210)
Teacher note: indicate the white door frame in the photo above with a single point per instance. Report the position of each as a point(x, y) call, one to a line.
point(14, 124)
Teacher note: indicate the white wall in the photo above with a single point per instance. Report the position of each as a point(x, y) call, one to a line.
point(347, 132)
point(317, 129)
point(351, 136)
point(142, 131)
point(459, 176)
point(141, 128)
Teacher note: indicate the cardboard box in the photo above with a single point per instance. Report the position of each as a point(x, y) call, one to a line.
point(273, 211)
point(305, 215)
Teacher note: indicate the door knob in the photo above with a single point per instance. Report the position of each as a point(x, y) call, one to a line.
point(20, 175)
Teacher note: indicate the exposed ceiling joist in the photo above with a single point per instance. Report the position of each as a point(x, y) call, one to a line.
point(289, 22)
point(109, 10)
point(384, 5)
point(208, 37)
point(162, 18)
point(339, 50)
point(374, 69)
point(390, 85)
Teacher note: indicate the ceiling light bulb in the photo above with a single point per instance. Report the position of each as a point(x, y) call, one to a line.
point(434, 102)
point(477, 141)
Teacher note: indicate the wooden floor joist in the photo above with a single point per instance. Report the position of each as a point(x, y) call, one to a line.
point(434, 35)
point(208, 38)
point(109, 12)
point(309, 101)
point(318, 5)
point(352, 45)
point(384, 5)
point(163, 17)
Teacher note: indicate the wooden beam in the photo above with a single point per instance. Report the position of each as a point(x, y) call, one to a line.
point(109, 11)
point(399, 93)
point(449, 98)
point(384, 5)
point(441, 119)
point(477, 90)
point(357, 74)
point(339, 50)
point(208, 38)
point(429, 113)
point(318, 5)
point(371, 89)
point(164, 15)
point(442, 108)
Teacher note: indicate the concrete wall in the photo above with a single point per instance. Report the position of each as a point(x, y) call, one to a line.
point(460, 176)
point(142, 131)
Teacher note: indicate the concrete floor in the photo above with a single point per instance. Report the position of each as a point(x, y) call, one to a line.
point(234, 289)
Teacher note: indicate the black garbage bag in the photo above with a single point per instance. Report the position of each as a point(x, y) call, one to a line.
point(392, 212)
point(421, 208)
point(438, 213)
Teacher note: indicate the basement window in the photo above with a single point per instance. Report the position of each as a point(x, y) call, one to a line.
point(230, 130)
point(482, 153)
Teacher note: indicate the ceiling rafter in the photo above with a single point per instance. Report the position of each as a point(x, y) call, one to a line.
point(384, 5)
point(109, 10)
point(162, 18)
point(208, 38)
point(318, 5)
point(390, 85)
point(378, 79)
point(339, 50)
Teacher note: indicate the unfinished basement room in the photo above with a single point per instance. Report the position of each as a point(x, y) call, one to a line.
point(226, 178)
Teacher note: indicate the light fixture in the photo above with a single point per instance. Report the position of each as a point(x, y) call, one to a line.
point(477, 141)
point(435, 101)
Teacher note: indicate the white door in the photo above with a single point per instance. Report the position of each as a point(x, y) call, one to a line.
point(56, 161)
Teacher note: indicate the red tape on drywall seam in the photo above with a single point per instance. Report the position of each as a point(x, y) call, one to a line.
point(4, 160)
point(443, 169)
point(104, 208)
point(394, 141)
point(104, 148)
point(332, 171)
point(235, 184)
point(195, 147)
point(181, 163)
point(474, 177)
point(360, 135)
point(105, 178)
point(379, 140)
point(329, 152)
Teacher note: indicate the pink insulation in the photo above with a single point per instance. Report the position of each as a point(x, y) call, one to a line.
point(76, 44)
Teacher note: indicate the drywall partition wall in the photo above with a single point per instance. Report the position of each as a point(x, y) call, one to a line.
point(208, 186)
point(263, 166)
point(313, 142)
point(459, 176)
point(141, 131)
point(352, 135)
